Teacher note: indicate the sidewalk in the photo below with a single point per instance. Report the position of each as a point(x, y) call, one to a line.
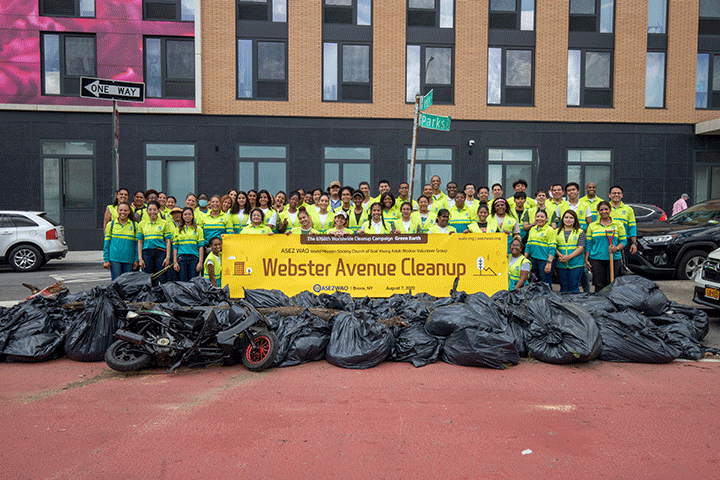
point(88, 256)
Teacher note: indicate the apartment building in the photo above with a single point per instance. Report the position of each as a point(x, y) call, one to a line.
point(281, 94)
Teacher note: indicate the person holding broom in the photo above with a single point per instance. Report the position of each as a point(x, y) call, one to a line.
point(604, 241)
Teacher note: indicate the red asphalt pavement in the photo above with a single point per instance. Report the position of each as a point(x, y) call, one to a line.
point(69, 420)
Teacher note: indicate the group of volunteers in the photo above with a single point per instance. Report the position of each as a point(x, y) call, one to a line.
point(556, 231)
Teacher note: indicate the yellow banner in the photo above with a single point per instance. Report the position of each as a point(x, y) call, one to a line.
point(365, 265)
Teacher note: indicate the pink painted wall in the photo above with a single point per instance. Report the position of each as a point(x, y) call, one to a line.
point(119, 30)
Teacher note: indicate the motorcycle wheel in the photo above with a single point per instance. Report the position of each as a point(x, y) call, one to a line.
point(263, 355)
point(121, 356)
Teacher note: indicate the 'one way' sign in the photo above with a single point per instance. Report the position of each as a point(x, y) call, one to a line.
point(112, 90)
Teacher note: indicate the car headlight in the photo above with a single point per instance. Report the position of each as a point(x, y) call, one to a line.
point(658, 239)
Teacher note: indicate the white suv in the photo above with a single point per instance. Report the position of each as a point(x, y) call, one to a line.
point(29, 239)
point(707, 281)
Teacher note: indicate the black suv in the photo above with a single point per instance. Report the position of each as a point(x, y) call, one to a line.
point(680, 244)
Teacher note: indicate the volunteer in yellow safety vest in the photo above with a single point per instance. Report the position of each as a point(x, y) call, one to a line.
point(256, 227)
point(426, 217)
point(482, 225)
point(339, 222)
point(541, 246)
point(305, 227)
point(625, 215)
point(591, 200)
point(289, 217)
point(409, 221)
point(213, 262)
point(501, 222)
point(441, 224)
point(460, 215)
point(518, 266)
point(122, 195)
point(570, 248)
point(322, 217)
point(604, 238)
point(375, 223)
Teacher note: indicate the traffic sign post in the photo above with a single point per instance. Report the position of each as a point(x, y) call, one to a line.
point(424, 120)
point(103, 89)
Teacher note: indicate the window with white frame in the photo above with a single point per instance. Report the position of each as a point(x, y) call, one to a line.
point(262, 167)
point(170, 167)
point(66, 57)
point(348, 165)
point(585, 166)
point(430, 161)
point(506, 165)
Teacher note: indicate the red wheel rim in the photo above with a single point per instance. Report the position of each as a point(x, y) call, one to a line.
point(261, 350)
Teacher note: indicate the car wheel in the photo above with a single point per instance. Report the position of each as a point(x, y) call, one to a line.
point(25, 258)
point(689, 262)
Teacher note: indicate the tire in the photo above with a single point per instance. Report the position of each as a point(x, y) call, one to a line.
point(689, 262)
point(122, 357)
point(264, 356)
point(25, 258)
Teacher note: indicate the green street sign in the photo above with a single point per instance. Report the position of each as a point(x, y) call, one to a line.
point(426, 101)
point(435, 122)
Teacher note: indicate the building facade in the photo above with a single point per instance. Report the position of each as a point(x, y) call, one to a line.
point(282, 94)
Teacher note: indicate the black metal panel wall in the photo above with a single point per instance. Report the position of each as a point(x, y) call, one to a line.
point(654, 163)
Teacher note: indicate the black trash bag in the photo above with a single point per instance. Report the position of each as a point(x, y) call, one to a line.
point(561, 332)
point(358, 341)
point(492, 318)
point(456, 297)
point(414, 310)
point(184, 294)
point(446, 320)
point(638, 293)
point(629, 336)
point(301, 339)
point(260, 298)
point(474, 347)
point(305, 299)
point(694, 318)
point(593, 303)
point(679, 336)
point(337, 301)
point(513, 302)
point(91, 333)
point(413, 344)
point(212, 293)
point(131, 285)
point(35, 335)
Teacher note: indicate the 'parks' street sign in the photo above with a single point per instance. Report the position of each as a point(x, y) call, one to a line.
point(435, 122)
point(112, 90)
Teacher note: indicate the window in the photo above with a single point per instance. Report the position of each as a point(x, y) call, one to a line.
point(505, 165)
point(512, 15)
point(263, 10)
point(169, 10)
point(350, 12)
point(170, 67)
point(585, 166)
point(429, 162)
point(348, 165)
point(589, 78)
point(657, 16)
point(429, 68)
point(67, 8)
point(68, 177)
point(707, 89)
point(430, 40)
point(707, 176)
point(170, 167)
point(262, 49)
point(431, 13)
point(657, 52)
point(347, 50)
point(655, 80)
point(510, 76)
point(592, 16)
point(262, 167)
point(709, 22)
point(66, 58)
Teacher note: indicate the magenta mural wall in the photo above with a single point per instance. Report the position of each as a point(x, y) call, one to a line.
point(119, 30)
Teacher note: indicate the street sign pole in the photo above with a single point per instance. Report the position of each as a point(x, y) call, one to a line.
point(116, 145)
point(416, 117)
point(104, 89)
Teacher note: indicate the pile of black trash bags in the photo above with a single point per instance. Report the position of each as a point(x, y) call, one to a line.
point(628, 321)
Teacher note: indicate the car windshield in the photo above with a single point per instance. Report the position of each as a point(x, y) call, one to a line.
point(698, 215)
